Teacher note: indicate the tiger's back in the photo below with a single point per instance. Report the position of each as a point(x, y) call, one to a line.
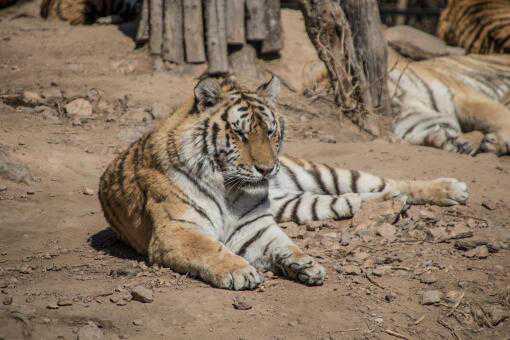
point(479, 26)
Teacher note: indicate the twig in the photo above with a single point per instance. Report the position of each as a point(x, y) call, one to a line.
point(456, 305)
point(395, 334)
point(445, 325)
point(373, 282)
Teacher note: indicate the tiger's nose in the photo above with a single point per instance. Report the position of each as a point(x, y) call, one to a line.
point(264, 170)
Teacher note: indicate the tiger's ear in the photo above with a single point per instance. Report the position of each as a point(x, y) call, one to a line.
point(207, 92)
point(271, 89)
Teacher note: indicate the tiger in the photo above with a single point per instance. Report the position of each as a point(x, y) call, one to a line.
point(203, 192)
point(479, 26)
point(445, 102)
point(78, 12)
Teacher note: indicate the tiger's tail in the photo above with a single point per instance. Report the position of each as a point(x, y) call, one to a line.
point(73, 11)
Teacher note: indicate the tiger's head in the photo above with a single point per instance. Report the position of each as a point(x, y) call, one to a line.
point(239, 132)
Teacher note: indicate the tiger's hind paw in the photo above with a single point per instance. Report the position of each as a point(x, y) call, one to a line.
point(449, 191)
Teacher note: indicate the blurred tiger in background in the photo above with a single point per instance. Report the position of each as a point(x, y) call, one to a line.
point(78, 12)
point(443, 102)
point(479, 26)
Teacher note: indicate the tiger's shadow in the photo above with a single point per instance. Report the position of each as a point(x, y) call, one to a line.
point(107, 242)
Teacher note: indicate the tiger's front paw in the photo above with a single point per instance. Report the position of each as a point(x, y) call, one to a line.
point(304, 269)
point(244, 278)
point(449, 191)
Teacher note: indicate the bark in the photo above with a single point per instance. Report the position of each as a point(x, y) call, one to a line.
point(216, 36)
point(156, 26)
point(235, 22)
point(194, 31)
point(173, 37)
point(256, 29)
point(142, 31)
point(274, 41)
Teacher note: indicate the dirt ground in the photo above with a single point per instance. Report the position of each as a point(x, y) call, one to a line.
point(64, 275)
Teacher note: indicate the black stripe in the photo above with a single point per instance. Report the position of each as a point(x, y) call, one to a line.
point(335, 179)
point(354, 180)
point(427, 88)
point(318, 179)
point(266, 248)
point(281, 211)
point(242, 251)
point(382, 185)
point(411, 129)
point(332, 207)
point(254, 207)
point(121, 173)
point(278, 198)
point(294, 216)
point(314, 209)
point(215, 131)
point(239, 227)
point(351, 212)
point(195, 207)
point(293, 177)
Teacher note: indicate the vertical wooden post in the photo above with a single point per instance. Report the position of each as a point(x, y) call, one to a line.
point(156, 26)
point(273, 42)
point(216, 36)
point(235, 22)
point(173, 38)
point(142, 31)
point(194, 31)
point(401, 5)
point(256, 29)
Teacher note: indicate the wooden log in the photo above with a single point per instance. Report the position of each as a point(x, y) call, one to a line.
point(156, 26)
point(173, 35)
point(256, 29)
point(216, 36)
point(194, 31)
point(142, 31)
point(243, 63)
point(235, 22)
point(273, 42)
point(329, 31)
point(401, 6)
point(371, 48)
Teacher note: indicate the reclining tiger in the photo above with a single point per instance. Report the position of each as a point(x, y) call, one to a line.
point(203, 192)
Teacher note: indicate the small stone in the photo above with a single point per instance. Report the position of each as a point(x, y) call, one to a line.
point(387, 231)
point(489, 204)
point(3, 188)
point(269, 274)
point(496, 314)
point(52, 306)
point(453, 296)
point(46, 320)
point(30, 192)
point(480, 252)
point(346, 238)
point(4, 284)
point(374, 213)
point(389, 297)
point(114, 299)
point(160, 111)
point(138, 322)
point(293, 323)
point(25, 269)
point(327, 139)
point(469, 244)
point(79, 108)
point(437, 234)
point(459, 231)
point(428, 216)
point(142, 294)
point(7, 300)
point(351, 270)
point(32, 98)
point(428, 278)
point(431, 297)
point(381, 270)
point(241, 304)
point(90, 332)
point(88, 191)
point(64, 302)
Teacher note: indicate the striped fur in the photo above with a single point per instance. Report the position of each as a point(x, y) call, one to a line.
point(441, 101)
point(203, 192)
point(78, 12)
point(479, 26)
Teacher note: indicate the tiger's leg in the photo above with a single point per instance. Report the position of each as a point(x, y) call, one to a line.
point(297, 176)
point(183, 240)
point(261, 242)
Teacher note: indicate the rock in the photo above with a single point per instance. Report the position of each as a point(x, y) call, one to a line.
point(346, 238)
point(428, 215)
point(52, 93)
point(7, 300)
point(381, 270)
point(160, 111)
point(46, 112)
point(3, 188)
point(453, 296)
point(489, 204)
point(459, 231)
point(496, 314)
point(351, 270)
point(142, 294)
point(389, 297)
point(138, 322)
point(46, 320)
point(88, 191)
point(32, 98)
point(327, 139)
point(90, 332)
point(52, 306)
point(25, 269)
point(79, 109)
point(438, 234)
point(64, 302)
point(387, 231)
point(241, 304)
point(137, 115)
point(469, 244)
point(480, 252)
point(374, 213)
point(93, 96)
point(428, 278)
point(431, 297)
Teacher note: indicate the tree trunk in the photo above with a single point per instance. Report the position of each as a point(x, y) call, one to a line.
point(194, 31)
point(329, 31)
point(235, 22)
point(216, 36)
point(371, 48)
point(173, 37)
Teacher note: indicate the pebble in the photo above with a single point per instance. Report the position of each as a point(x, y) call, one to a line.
point(88, 191)
point(64, 302)
point(351, 270)
point(7, 300)
point(381, 270)
point(346, 239)
point(459, 230)
point(431, 297)
point(480, 252)
point(32, 98)
point(79, 108)
point(489, 204)
point(25, 270)
point(453, 296)
point(327, 139)
point(46, 320)
point(389, 297)
point(241, 304)
point(142, 294)
point(90, 332)
point(3, 188)
point(138, 322)
point(387, 231)
point(428, 278)
point(497, 314)
point(52, 306)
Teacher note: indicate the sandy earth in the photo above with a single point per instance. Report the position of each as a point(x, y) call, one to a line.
point(55, 245)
